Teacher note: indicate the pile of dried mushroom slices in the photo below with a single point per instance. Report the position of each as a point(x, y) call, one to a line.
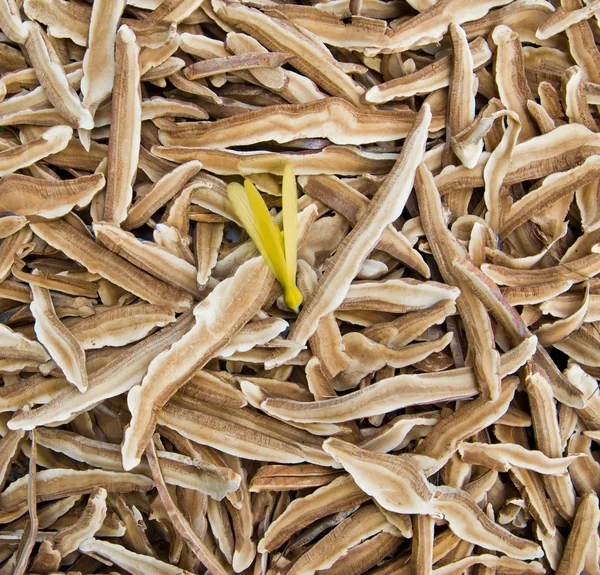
point(432, 409)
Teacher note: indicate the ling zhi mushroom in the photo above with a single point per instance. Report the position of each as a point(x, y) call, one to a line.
point(299, 288)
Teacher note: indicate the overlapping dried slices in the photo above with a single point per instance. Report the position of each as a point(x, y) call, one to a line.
point(387, 366)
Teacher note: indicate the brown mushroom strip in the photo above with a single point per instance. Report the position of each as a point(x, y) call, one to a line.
point(576, 105)
point(62, 19)
point(331, 118)
point(492, 564)
point(96, 259)
point(585, 471)
point(56, 483)
point(427, 79)
point(246, 61)
point(172, 369)
point(504, 456)
point(312, 60)
point(288, 478)
point(340, 495)
point(89, 523)
point(206, 386)
point(10, 225)
point(63, 346)
point(11, 23)
point(116, 377)
point(383, 209)
point(119, 326)
point(332, 160)
point(36, 389)
point(207, 242)
point(123, 149)
point(351, 204)
point(178, 469)
point(53, 78)
point(9, 450)
point(469, 419)
point(475, 318)
point(585, 523)
point(134, 563)
point(18, 352)
point(561, 19)
point(29, 196)
point(10, 247)
point(50, 142)
point(148, 256)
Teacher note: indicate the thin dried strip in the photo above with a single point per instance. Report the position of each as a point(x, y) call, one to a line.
point(384, 208)
point(585, 472)
point(312, 59)
point(585, 523)
point(89, 523)
point(339, 160)
point(366, 522)
point(36, 389)
point(553, 189)
point(290, 478)
point(55, 282)
point(134, 563)
point(50, 142)
point(10, 247)
point(114, 378)
point(432, 24)
point(119, 326)
point(207, 242)
point(213, 388)
point(445, 248)
point(11, 23)
point(57, 483)
point(18, 352)
point(491, 564)
point(246, 61)
point(582, 44)
point(27, 196)
point(576, 104)
point(61, 19)
point(62, 345)
point(566, 304)
point(467, 521)
point(53, 78)
point(469, 419)
point(9, 451)
point(10, 225)
point(97, 259)
point(563, 19)
point(125, 132)
point(181, 524)
point(502, 457)
point(331, 118)
point(254, 334)
point(148, 257)
point(351, 204)
point(427, 79)
point(229, 306)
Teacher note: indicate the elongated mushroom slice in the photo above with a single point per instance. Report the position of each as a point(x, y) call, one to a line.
point(345, 264)
point(504, 456)
point(27, 196)
point(17, 352)
point(9, 451)
point(63, 346)
point(114, 378)
point(10, 247)
point(207, 242)
point(427, 79)
point(227, 306)
point(50, 142)
point(291, 477)
point(11, 23)
point(96, 259)
point(123, 149)
point(56, 483)
point(331, 118)
point(61, 19)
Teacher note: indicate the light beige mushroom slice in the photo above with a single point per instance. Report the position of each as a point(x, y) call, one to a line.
point(9, 449)
point(214, 388)
point(50, 142)
point(491, 564)
point(431, 24)
point(504, 456)
point(247, 61)
point(585, 523)
point(57, 483)
point(563, 19)
point(112, 379)
point(345, 264)
point(97, 259)
point(366, 522)
point(427, 79)
point(331, 118)
point(471, 418)
point(576, 105)
point(340, 160)
point(10, 248)
point(286, 478)
point(396, 482)
point(124, 143)
point(11, 23)
point(471, 524)
point(18, 352)
point(312, 59)
point(53, 78)
point(27, 196)
point(351, 204)
point(63, 346)
point(207, 243)
point(172, 369)
point(473, 313)
point(135, 563)
point(36, 389)
point(61, 19)
point(9, 225)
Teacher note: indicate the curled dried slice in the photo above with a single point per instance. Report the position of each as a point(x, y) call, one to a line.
point(18, 352)
point(11, 23)
point(63, 346)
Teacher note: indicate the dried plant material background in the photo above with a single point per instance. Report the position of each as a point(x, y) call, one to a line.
point(433, 409)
